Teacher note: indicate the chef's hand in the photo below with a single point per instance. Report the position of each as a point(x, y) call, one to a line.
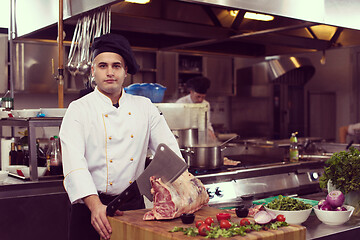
point(98, 216)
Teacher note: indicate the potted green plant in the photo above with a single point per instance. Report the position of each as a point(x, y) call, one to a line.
point(342, 172)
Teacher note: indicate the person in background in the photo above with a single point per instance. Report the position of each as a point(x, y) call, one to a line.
point(105, 136)
point(198, 87)
point(351, 130)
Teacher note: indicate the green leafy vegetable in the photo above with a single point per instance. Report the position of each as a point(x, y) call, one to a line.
point(288, 204)
point(343, 169)
point(234, 230)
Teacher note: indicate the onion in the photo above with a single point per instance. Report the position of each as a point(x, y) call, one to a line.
point(273, 216)
point(321, 202)
point(326, 207)
point(262, 217)
point(342, 208)
point(335, 198)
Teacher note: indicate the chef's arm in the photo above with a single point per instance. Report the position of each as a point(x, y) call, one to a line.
point(98, 216)
point(343, 131)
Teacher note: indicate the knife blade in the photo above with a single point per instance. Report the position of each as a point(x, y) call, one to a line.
point(166, 165)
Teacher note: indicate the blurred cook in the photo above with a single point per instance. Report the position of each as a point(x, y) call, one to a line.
point(105, 136)
point(348, 130)
point(198, 87)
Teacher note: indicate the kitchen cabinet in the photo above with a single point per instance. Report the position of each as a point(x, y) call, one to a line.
point(147, 73)
point(172, 70)
point(30, 124)
point(189, 66)
point(219, 69)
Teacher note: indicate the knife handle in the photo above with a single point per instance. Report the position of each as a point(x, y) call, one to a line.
point(126, 195)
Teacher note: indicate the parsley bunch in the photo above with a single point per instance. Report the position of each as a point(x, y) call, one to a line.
point(343, 169)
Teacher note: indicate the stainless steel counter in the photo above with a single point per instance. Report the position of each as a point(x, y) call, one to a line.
point(315, 229)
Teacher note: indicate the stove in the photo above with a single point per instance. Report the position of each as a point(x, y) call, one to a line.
point(227, 185)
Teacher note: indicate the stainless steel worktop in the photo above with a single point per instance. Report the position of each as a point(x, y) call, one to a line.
point(315, 229)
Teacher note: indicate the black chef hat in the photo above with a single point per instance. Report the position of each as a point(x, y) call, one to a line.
point(117, 44)
point(199, 84)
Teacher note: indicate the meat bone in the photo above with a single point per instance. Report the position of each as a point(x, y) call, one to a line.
point(166, 165)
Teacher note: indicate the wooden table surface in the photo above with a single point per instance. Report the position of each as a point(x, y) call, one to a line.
point(130, 226)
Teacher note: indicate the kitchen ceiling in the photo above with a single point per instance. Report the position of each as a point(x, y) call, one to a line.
point(198, 27)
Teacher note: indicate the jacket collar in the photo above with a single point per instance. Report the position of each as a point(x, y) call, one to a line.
point(106, 102)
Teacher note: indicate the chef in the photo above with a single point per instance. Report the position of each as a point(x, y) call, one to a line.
point(105, 136)
point(198, 87)
point(351, 130)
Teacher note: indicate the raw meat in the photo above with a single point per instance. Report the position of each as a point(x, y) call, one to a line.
point(254, 210)
point(186, 194)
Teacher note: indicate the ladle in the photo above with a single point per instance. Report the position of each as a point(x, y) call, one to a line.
point(232, 138)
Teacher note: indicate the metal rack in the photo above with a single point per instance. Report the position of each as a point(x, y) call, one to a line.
point(30, 124)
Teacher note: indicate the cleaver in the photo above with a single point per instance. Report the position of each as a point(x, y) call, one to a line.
point(166, 165)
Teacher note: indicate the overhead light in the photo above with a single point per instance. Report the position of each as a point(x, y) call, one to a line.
point(253, 16)
point(258, 16)
point(138, 1)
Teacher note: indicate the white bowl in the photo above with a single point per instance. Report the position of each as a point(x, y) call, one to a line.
point(334, 217)
point(25, 113)
point(13, 168)
point(4, 114)
point(53, 112)
point(292, 217)
point(26, 171)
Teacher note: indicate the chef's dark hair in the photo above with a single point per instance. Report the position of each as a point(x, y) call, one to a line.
point(198, 84)
point(117, 44)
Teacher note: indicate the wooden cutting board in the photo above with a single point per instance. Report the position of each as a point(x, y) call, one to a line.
point(130, 226)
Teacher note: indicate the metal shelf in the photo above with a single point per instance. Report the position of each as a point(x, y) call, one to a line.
point(31, 124)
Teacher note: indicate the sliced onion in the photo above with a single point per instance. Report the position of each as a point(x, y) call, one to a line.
point(326, 207)
point(262, 217)
point(273, 216)
point(342, 208)
point(335, 198)
point(321, 202)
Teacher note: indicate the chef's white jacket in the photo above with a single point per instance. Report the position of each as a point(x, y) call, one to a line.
point(104, 148)
point(187, 99)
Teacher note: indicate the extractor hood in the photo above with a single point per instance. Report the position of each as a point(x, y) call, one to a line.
point(206, 25)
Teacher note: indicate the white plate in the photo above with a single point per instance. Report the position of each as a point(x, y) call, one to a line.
point(25, 113)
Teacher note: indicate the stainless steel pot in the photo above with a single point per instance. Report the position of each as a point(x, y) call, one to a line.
point(186, 137)
point(205, 156)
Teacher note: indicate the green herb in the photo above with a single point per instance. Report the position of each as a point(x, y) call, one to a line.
point(234, 230)
point(343, 169)
point(288, 204)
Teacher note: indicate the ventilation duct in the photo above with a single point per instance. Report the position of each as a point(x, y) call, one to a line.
point(290, 70)
point(257, 80)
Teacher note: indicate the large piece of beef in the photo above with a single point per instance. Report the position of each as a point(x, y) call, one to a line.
point(186, 194)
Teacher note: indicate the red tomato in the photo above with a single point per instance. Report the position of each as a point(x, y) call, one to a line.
point(225, 224)
point(280, 218)
point(244, 222)
point(209, 221)
point(204, 229)
point(223, 216)
point(199, 223)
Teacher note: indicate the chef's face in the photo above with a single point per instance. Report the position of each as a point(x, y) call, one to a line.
point(109, 71)
point(197, 97)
